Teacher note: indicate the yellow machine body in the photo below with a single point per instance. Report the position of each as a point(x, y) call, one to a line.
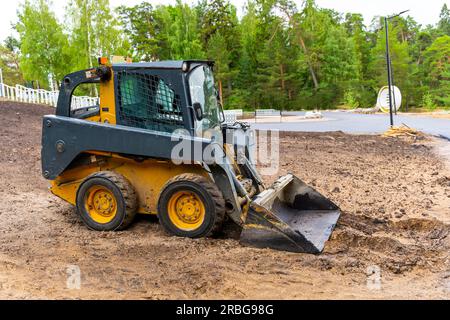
point(107, 103)
point(147, 177)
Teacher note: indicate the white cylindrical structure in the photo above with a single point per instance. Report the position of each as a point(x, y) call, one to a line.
point(383, 99)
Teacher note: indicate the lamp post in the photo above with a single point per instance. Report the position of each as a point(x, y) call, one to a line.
point(389, 65)
point(388, 61)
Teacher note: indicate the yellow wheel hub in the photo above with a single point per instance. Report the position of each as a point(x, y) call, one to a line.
point(186, 211)
point(101, 204)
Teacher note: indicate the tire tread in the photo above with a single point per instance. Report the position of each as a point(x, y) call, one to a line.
point(127, 191)
point(212, 190)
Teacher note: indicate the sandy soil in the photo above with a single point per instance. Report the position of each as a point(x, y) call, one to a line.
point(436, 114)
point(395, 196)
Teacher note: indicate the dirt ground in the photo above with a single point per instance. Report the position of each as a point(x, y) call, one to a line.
point(437, 115)
point(395, 197)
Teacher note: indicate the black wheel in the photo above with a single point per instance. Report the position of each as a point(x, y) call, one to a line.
point(106, 201)
point(191, 206)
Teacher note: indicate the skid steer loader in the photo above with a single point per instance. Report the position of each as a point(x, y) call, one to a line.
point(120, 158)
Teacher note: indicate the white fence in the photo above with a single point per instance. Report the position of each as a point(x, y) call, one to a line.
point(237, 112)
point(268, 113)
point(22, 94)
point(230, 117)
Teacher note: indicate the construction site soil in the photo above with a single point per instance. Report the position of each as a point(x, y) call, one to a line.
point(391, 242)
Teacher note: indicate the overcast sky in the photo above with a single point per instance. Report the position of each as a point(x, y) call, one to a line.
point(424, 11)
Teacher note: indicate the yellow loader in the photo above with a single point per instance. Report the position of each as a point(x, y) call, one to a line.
point(157, 144)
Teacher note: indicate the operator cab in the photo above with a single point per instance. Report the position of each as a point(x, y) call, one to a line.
point(159, 96)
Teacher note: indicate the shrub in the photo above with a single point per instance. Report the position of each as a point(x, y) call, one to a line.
point(428, 101)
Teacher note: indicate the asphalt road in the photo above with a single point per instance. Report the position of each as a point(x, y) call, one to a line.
point(361, 124)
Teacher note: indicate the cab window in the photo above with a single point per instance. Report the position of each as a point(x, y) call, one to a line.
point(146, 101)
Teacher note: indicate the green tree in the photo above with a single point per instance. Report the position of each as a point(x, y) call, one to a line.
point(218, 16)
point(12, 44)
point(444, 22)
point(301, 24)
point(359, 91)
point(95, 32)
point(179, 37)
point(244, 93)
point(43, 43)
point(327, 51)
point(9, 64)
point(142, 28)
point(437, 62)
point(422, 41)
point(354, 26)
point(217, 50)
point(220, 35)
point(266, 60)
point(163, 32)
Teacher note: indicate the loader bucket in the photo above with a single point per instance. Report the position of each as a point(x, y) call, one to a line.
point(290, 216)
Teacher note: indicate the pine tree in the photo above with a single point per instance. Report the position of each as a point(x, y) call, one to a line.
point(244, 95)
point(437, 62)
point(218, 22)
point(217, 50)
point(444, 22)
point(140, 26)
